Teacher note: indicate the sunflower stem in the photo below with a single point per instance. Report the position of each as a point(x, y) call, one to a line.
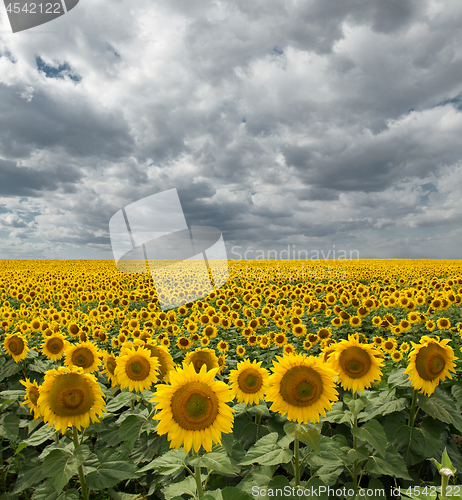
point(355, 444)
point(83, 484)
point(412, 412)
point(197, 476)
point(296, 462)
point(258, 417)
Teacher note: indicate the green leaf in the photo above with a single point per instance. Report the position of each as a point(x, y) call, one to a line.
point(410, 442)
point(442, 407)
point(267, 451)
point(446, 461)
point(373, 434)
point(46, 491)
point(9, 427)
point(456, 391)
point(432, 432)
point(399, 379)
point(30, 474)
point(168, 463)
point(122, 399)
point(392, 465)
point(355, 405)
point(60, 466)
point(385, 409)
point(338, 415)
point(187, 486)
point(233, 493)
point(129, 430)
point(309, 434)
point(218, 462)
point(261, 410)
point(374, 491)
point(10, 369)
point(40, 436)
point(108, 474)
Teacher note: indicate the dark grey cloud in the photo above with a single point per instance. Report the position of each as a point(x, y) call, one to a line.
point(23, 181)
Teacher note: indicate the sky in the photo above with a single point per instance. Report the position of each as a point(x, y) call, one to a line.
point(310, 125)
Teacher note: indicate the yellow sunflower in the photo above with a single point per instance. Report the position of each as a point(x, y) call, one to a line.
point(53, 347)
point(429, 362)
point(15, 345)
point(201, 357)
point(109, 366)
point(32, 395)
point(192, 409)
point(303, 387)
point(84, 355)
point(69, 397)
point(136, 369)
point(357, 364)
point(396, 356)
point(240, 350)
point(183, 343)
point(164, 358)
point(249, 382)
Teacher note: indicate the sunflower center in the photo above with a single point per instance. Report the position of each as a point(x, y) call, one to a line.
point(110, 367)
point(34, 395)
point(70, 395)
point(137, 368)
point(355, 362)
point(301, 386)
point(200, 359)
point(194, 406)
point(250, 381)
point(430, 361)
point(55, 345)
point(16, 345)
point(83, 357)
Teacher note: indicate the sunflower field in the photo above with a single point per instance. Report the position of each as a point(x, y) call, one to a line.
point(296, 379)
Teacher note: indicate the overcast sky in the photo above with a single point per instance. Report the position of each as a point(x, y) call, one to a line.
point(309, 123)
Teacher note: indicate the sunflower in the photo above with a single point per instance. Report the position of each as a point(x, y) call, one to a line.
point(429, 362)
point(355, 321)
point(443, 324)
point(183, 343)
point(390, 345)
point(69, 397)
point(240, 350)
point(204, 341)
point(289, 349)
point(265, 341)
point(32, 395)
point(201, 357)
point(53, 347)
point(210, 332)
point(164, 358)
point(249, 382)
point(192, 409)
point(302, 387)
point(307, 345)
point(136, 369)
point(356, 363)
point(299, 330)
point(280, 339)
point(404, 347)
point(84, 355)
point(396, 356)
point(430, 325)
point(109, 366)
point(15, 345)
point(223, 346)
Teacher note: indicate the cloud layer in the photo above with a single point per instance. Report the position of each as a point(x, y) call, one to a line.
point(305, 123)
